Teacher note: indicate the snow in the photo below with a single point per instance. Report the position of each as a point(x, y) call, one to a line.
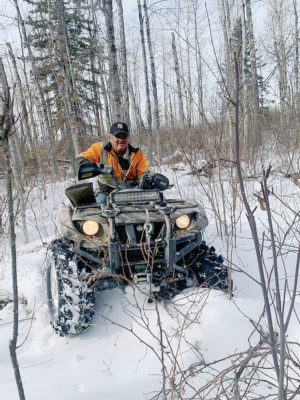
point(119, 356)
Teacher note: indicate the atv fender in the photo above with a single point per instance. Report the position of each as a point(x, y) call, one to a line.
point(65, 221)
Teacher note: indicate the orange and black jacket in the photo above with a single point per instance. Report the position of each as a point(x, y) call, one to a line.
point(137, 163)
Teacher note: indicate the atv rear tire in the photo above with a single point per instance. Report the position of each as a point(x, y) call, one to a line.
point(71, 302)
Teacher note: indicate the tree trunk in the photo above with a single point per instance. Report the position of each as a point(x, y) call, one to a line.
point(296, 65)
point(25, 119)
point(280, 52)
point(13, 342)
point(30, 105)
point(153, 81)
point(148, 102)
point(165, 90)
point(228, 83)
point(114, 78)
point(189, 96)
point(19, 177)
point(134, 91)
point(100, 62)
point(247, 136)
point(136, 109)
point(198, 57)
point(6, 121)
point(124, 75)
point(254, 85)
point(179, 94)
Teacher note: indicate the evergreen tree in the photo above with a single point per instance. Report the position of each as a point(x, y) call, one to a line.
point(60, 34)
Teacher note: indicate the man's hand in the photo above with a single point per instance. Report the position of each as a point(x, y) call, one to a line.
point(154, 181)
point(87, 163)
point(87, 169)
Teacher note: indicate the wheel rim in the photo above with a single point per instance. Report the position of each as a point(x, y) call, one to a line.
point(54, 288)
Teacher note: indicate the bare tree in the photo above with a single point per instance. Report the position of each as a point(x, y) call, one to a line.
point(25, 115)
point(153, 81)
point(179, 92)
point(96, 43)
point(227, 79)
point(6, 123)
point(244, 81)
point(198, 55)
point(281, 55)
point(123, 52)
point(257, 138)
point(114, 77)
point(296, 62)
point(147, 89)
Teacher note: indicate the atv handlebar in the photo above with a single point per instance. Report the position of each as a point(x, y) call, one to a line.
point(148, 181)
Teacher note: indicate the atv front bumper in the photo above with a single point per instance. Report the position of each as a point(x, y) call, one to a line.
point(115, 256)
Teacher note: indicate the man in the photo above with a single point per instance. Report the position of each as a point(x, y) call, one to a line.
point(129, 163)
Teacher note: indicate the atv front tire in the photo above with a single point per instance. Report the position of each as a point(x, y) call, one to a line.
point(209, 268)
point(70, 301)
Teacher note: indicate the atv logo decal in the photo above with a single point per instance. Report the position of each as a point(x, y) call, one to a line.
point(88, 175)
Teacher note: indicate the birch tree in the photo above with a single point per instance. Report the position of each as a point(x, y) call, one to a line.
point(227, 80)
point(153, 81)
point(198, 56)
point(114, 77)
point(296, 62)
point(281, 56)
point(123, 52)
point(244, 81)
point(253, 76)
point(147, 89)
point(96, 43)
point(177, 72)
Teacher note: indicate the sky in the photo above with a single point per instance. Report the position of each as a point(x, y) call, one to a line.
point(8, 30)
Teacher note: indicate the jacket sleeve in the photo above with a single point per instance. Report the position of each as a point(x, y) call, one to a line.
point(141, 165)
point(93, 153)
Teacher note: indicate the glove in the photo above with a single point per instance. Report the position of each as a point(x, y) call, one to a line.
point(146, 181)
point(87, 169)
point(87, 163)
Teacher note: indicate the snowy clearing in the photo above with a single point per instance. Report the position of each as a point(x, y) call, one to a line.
point(119, 356)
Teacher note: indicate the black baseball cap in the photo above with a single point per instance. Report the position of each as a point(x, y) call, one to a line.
point(119, 127)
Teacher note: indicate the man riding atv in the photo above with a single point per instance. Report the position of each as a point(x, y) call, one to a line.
point(129, 163)
point(133, 233)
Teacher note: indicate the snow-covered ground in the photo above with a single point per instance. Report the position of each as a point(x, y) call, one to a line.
point(119, 357)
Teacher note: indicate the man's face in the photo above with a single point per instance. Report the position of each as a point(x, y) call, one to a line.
point(119, 142)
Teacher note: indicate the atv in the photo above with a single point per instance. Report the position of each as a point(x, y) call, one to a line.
point(136, 236)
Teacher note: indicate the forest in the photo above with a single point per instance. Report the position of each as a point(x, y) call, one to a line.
point(211, 94)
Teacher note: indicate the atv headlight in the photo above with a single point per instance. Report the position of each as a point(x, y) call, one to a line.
point(90, 227)
point(183, 221)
